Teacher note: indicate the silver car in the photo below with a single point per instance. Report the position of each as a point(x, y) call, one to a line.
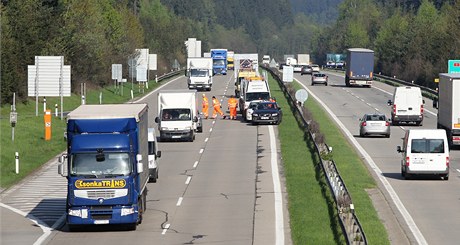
point(319, 78)
point(374, 124)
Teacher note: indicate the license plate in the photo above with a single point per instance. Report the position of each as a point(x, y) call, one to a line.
point(263, 117)
point(418, 161)
point(101, 222)
point(175, 136)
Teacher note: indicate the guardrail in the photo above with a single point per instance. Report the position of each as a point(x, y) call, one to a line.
point(169, 75)
point(348, 220)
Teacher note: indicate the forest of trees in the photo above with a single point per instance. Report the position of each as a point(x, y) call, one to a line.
point(413, 39)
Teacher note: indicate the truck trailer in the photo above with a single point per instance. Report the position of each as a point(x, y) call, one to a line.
point(178, 117)
point(360, 67)
point(199, 73)
point(219, 59)
point(449, 106)
point(106, 165)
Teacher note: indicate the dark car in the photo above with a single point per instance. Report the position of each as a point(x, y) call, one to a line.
point(267, 112)
point(306, 70)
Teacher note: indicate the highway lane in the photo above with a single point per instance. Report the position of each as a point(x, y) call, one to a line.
point(218, 189)
point(431, 203)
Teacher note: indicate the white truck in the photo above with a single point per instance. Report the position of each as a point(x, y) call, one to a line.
point(199, 73)
point(266, 60)
point(253, 89)
point(178, 117)
point(449, 106)
point(303, 59)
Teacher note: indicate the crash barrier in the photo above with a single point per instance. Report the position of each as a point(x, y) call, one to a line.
point(170, 74)
point(348, 220)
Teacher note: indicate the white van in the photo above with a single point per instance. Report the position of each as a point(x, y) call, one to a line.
point(425, 151)
point(407, 105)
point(153, 155)
point(253, 89)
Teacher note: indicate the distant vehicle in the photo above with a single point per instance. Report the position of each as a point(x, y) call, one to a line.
point(306, 70)
point(330, 64)
point(266, 59)
point(320, 78)
point(449, 106)
point(374, 124)
point(252, 106)
point(303, 59)
point(407, 105)
point(153, 155)
point(298, 68)
point(360, 67)
point(425, 151)
point(281, 65)
point(199, 73)
point(219, 59)
point(315, 68)
point(339, 64)
point(267, 112)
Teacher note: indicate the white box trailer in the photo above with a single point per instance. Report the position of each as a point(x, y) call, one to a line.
point(449, 106)
point(178, 117)
point(199, 73)
point(303, 59)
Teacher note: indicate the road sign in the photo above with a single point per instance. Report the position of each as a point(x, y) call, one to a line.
point(288, 74)
point(301, 95)
point(454, 66)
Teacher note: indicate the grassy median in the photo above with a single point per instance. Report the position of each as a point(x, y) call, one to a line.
point(312, 210)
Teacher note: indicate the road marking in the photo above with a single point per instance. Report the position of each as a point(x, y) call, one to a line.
point(213, 122)
point(188, 180)
point(458, 170)
point(201, 151)
point(394, 196)
point(210, 130)
point(376, 109)
point(195, 164)
point(165, 229)
point(279, 220)
point(179, 202)
point(206, 140)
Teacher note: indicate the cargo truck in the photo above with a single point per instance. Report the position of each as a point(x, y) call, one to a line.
point(199, 73)
point(303, 59)
point(360, 67)
point(449, 106)
point(219, 59)
point(178, 117)
point(106, 165)
point(230, 60)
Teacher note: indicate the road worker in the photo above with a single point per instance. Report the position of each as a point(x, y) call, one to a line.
point(272, 99)
point(205, 106)
point(217, 106)
point(232, 105)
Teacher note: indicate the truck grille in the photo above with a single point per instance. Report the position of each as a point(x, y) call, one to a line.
point(96, 194)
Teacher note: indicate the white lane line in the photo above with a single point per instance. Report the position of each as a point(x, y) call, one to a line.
point(179, 202)
point(206, 140)
point(407, 217)
point(195, 164)
point(165, 229)
point(210, 130)
point(46, 230)
point(279, 219)
point(458, 170)
point(213, 122)
point(189, 178)
point(375, 108)
point(201, 151)
point(402, 128)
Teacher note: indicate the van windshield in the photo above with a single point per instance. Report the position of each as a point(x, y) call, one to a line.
point(257, 96)
point(427, 146)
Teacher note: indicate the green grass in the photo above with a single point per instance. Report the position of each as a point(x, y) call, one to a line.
point(312, 210)
point(29, 132)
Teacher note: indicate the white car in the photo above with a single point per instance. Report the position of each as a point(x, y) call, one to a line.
point(315, 68)
point(252, 106)
point(298, 68)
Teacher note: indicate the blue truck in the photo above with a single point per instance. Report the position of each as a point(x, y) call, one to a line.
point(106, 165)
point(219, 61)
point(360, 67)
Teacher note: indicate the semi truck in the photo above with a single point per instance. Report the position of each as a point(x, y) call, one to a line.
point(449, 106)
point(360, 67)
point(199, 73)
point(178, 117)
point(106, 165)
point(219, 59)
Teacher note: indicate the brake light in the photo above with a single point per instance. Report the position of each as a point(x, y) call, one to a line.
point(370, 74)
point(351, 73)
point(447, 162)
point(394, 109)
point(407, 161)
point(387, 124)
point(421, 109)
point(363, 124)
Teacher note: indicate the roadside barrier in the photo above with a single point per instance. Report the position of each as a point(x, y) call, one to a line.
point(349, 222)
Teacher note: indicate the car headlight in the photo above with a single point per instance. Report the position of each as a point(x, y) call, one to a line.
point(164, 128)
point(127, 211)
point(75, 212)
point(274, 114)
point(255, 114)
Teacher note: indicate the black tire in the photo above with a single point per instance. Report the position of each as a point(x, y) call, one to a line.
point(325, 84)
point(403, 173)
point(74, 228)
point(387, 136)
point(199, 129)
point(312, 84)
point(445, 177)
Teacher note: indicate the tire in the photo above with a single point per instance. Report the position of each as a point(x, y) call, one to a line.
point(199, 129)
point(445, 177)
point(74, 228)
point(325, 84)
point(312, 84)
point(155, 176)
point(387, 136)
point(403, 173)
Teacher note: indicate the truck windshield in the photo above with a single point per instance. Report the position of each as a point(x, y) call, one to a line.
point(218, 62)
point(176, 114)
point(112, 164)
point(198, 73)
point(257, 96)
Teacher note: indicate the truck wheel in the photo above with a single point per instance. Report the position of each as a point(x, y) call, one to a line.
point(131, 227)
point(199, 129)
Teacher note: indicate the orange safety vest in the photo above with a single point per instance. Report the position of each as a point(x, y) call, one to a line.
point(232, 103)
point(215, 102)
point(205, 102)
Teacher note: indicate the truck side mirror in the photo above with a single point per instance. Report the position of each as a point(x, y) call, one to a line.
point(158, 154)
point(157, 119)
point(435, 103)
point(140, 166)
point(390, 102)
point(195, 119)
point(62, 166)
